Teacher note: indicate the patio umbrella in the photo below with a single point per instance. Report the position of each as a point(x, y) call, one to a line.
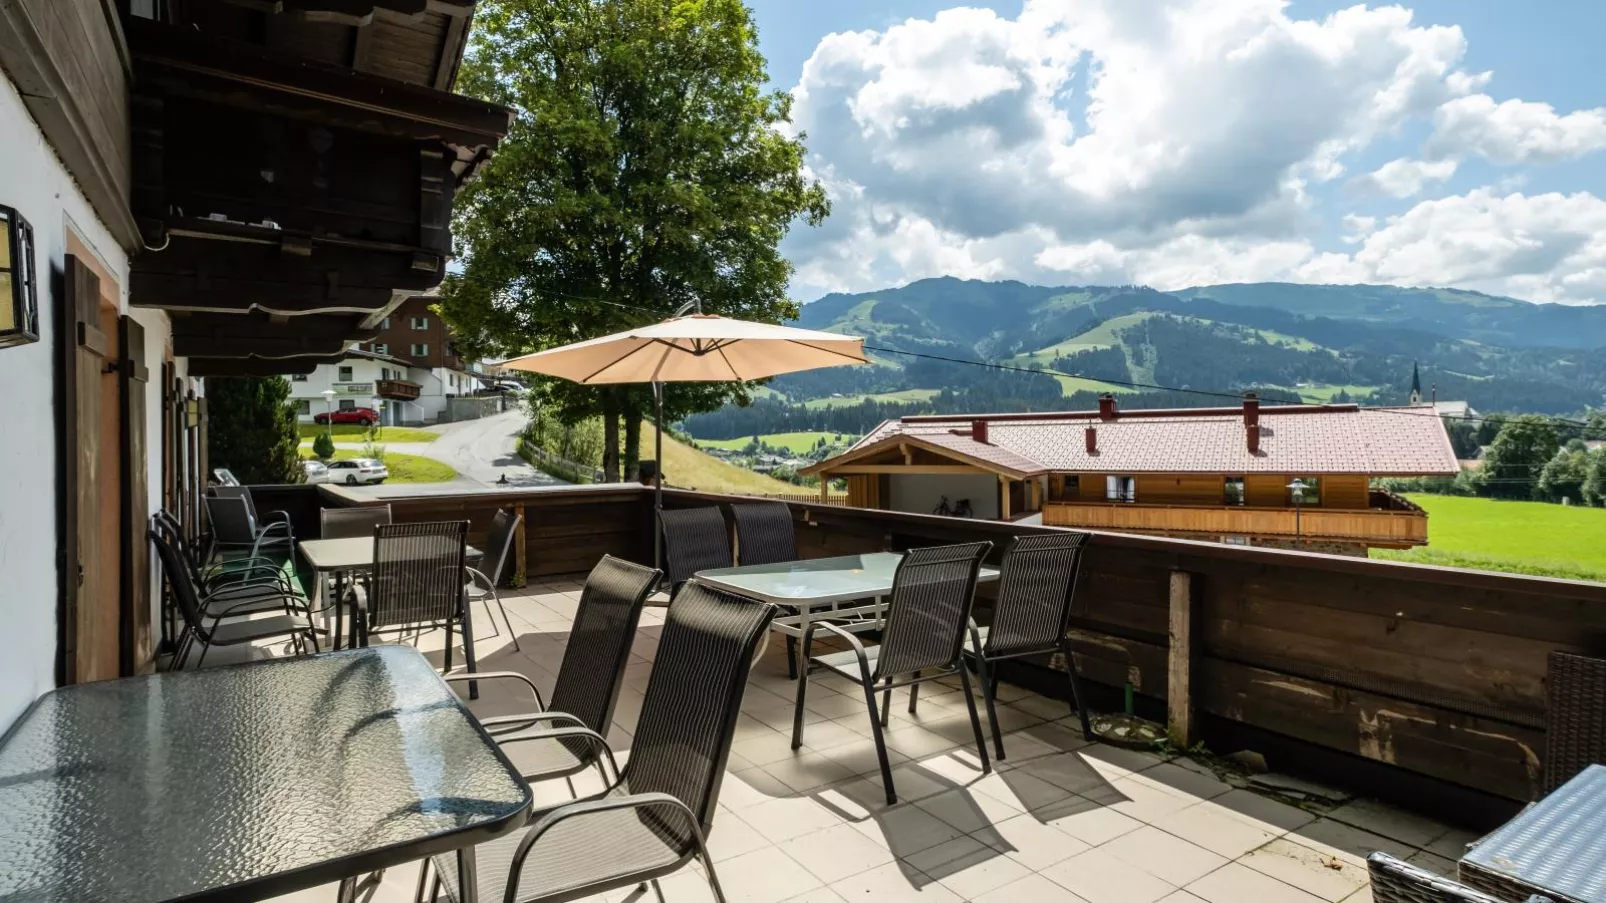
point(695, 348)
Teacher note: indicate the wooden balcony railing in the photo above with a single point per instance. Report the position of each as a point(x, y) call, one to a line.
point(1422, 685)
point(398, 389)
point(1394, 526)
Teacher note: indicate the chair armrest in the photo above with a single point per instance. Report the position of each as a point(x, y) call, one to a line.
point(554, 817)
point(853, 641)
point(275, 517)
point(503, 720)
point(264, 529)
point(498, 675)
point(476, 575)
point(563, 733)
point(228, 612)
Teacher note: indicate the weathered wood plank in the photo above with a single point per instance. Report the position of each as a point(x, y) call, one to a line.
point(1179, 671)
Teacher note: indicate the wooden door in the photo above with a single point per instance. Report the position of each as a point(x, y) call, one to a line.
point(136, 650)
point(89, 625)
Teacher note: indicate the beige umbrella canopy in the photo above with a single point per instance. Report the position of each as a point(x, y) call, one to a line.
point(696, 348)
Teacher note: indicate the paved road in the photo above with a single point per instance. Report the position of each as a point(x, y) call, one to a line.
point(481, 451)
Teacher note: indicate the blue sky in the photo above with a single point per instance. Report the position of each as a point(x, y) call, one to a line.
point(1235, 140)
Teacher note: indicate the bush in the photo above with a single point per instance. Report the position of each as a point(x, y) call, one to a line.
point(323, 446)
point(252, 429)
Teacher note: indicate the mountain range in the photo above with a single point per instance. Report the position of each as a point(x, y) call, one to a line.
point(1313, 343)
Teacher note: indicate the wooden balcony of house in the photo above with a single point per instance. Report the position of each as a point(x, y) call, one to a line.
point(397, 389)
point(1389, 522)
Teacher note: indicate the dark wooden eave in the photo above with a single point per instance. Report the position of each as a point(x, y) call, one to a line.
point(258, 366)
point(246, 335)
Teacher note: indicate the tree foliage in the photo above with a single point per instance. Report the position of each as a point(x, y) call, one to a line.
point(1564, 475)
point(1517, 456)
point(1594, 489)
point(252, 429)
point(646, 166)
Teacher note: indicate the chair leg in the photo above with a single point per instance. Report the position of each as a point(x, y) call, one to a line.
point(505, 620)
point(423, 881)
point(791, 657)
point(797, 713)
point(468, 650)
point(708, 864)
point(914, 694)
point(886, 703)
point(880, 741)
point(975, 721)
point(202, 660)
point(985, 679)
point(1076, 691)
point(446, 668)
point(657, 891)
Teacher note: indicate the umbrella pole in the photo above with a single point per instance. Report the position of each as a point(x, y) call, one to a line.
point(658, 482)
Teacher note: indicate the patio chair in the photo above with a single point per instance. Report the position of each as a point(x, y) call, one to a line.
point(1575, 720)
point(1394, 881)
point(235, 528)
point(589, 678)
point(1030, 617)
point(235, 490)
point(416, 583)
point(765, 535)
point(654, 819)
point(233, 573)
point(498, 557)
point(225, 613)
point(695, 539)
point(923, 640)
point(351, 523)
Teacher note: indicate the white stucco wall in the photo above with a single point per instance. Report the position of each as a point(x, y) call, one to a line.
point(33, 181)
point(921, 493)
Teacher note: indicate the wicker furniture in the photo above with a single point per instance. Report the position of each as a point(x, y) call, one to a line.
point(923, 640)
point(653, 820)
point(1575, 721)
point(1394, 881)
point(1031, 615)
point(1556, 847)
point(695, 539)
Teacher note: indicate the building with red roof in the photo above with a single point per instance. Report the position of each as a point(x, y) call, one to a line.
point(1295, 476)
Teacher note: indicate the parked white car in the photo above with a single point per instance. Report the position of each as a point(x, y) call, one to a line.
point(352, 471)
point(315, 471)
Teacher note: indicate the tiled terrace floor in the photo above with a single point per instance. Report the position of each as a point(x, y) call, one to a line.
point(1060, 820)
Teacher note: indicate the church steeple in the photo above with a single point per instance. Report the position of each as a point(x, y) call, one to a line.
point(1416, 384)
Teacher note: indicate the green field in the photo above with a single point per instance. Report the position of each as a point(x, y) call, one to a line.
point(797, 443)
point(1103, 335)
point(842, 401)
point(1520, 537)
point(351, 432)
point(405, 468)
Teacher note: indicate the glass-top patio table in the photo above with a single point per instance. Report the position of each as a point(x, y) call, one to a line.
point(847, 586)
point(247, 782)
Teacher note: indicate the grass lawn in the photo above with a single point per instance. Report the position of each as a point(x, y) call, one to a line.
point(1520, 537)
point(689, 468)
point(406, 468)
point(351, 432)
point(794, 442)
point(851, 400)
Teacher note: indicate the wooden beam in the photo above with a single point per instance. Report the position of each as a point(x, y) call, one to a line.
point(908, 468)
point(825, 487)
point(1179, 670)
point(1003, 497)
point(908, 456)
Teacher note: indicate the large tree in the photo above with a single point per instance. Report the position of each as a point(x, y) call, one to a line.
point(252, 429)
point(646, 167)
point(1512, 465)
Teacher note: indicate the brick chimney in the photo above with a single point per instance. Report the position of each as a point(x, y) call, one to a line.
point(978, 431)
point(1106, 406)
point(1251, 409)
point(1253, 431)
point(1092, 440)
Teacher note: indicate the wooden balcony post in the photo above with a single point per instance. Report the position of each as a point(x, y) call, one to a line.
point(1179, 696)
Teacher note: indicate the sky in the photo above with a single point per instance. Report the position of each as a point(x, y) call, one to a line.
point(1188, 142)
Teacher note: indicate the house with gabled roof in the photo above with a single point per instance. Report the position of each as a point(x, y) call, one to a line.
point(1294, 476)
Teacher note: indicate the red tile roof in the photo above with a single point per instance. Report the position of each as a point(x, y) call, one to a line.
point(1293, 440)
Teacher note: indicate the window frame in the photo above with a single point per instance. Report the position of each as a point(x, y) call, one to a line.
point(1227, 496)
point(420, 349)
point(343, 373)
point(1125, 491)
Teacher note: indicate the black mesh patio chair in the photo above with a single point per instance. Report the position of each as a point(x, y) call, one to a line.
point(220, 621)
point(1394, 881)
point(350, 523)
point(589, 678)
point(923, 640)
point(499, 557)
point(765, 535)
point(1575, 717)
point(1031, 615)
point(654, 819)
point(235, 529)
point(416, 583)
point(695, 539)
point(215, 576)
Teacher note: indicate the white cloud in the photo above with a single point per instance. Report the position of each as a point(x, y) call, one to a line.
point(1169, 143)
point(1404, 177)
point(1515, 131)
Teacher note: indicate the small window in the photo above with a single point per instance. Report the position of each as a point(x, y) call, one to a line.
point(1234, 494)
point(385, 323)
point(344, 374)
point(1235, 540)
point(347, 404)
point(381, 348)
point(299, 378)
point(1311, 494)
point(303, 405)
point(420, 350)
point(1120, 489)
point(420, 322)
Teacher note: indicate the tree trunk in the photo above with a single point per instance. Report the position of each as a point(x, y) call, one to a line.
point(610, 435)
point(632, 455)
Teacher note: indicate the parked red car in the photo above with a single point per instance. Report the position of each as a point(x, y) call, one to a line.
point(364, 416)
